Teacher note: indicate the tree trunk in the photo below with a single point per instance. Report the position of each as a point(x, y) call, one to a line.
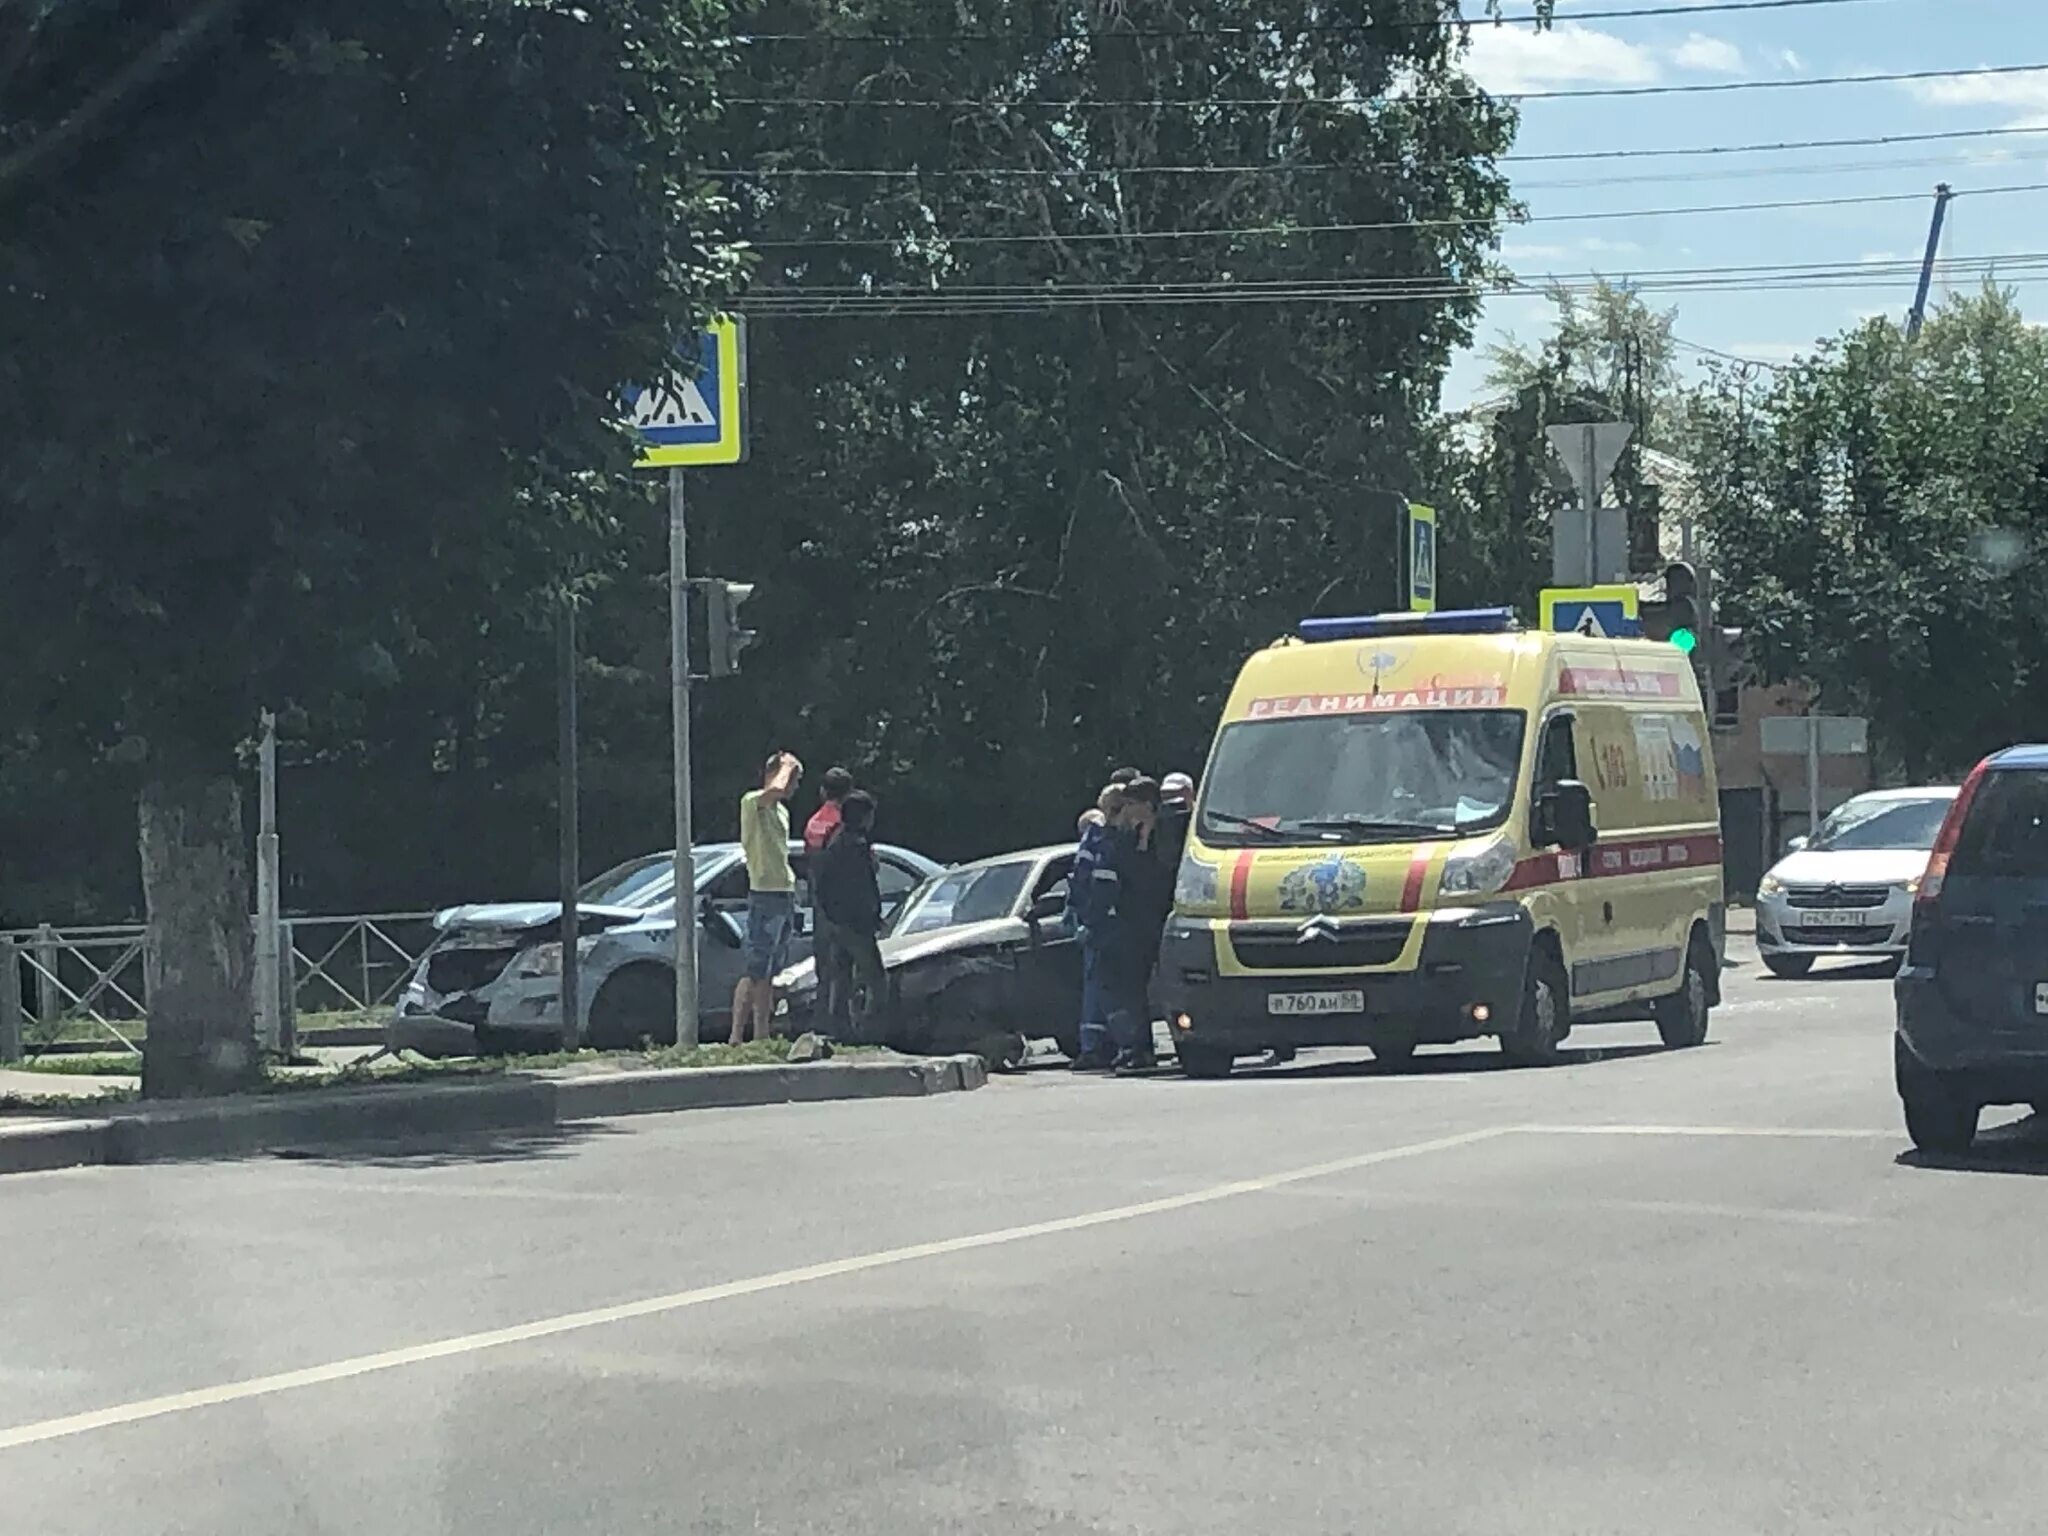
point(195, 880)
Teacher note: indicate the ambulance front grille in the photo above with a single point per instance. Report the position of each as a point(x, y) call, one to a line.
point(1318, 947)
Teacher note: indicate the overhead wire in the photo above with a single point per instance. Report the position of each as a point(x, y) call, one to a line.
point(1292, 230)
point(1039, 173)
point(1420, 24)
point(1351, 102)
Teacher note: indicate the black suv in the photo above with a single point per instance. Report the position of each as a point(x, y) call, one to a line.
point(1973, 998)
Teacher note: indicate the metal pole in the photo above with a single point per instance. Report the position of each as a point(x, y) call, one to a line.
point(1812, 775)
point(49, 1001)
point(1918, 313)
point(566, 813)
point(1595, 572)
point(10, 1001)
point(679, 707)
point(269, 1026)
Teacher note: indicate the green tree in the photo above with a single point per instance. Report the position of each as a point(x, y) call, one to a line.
point(1878, 518)
point(315, 319)
point(1081, 396)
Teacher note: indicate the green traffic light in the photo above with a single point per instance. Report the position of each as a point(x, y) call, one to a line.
point(1685, 640)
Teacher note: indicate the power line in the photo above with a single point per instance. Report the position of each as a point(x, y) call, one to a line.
point(1038, 173)
point(1773, 272)
point(1427, 24)
point(1286, 231)
point(766, 305)
point(1578, 93)
point(1728, 357)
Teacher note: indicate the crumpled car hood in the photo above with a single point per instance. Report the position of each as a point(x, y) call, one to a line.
point(524, 916)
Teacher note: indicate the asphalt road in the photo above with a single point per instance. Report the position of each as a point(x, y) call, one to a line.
point(1645, 1292)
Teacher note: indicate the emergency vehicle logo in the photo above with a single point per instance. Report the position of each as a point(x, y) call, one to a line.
point(1333, 884)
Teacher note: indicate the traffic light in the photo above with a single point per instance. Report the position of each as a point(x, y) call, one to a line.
point(722, 601)
point(1682, 613)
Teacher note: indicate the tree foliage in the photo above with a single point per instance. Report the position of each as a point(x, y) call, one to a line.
point(314, 337)
point(1879, 516)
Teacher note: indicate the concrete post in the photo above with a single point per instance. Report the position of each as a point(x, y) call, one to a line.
point(10, 1000)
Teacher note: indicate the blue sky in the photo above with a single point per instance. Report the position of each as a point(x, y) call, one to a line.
point(1865, 36)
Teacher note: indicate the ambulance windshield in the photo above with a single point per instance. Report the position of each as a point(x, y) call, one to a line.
point(1388, 776)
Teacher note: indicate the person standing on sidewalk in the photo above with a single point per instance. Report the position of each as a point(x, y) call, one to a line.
point(849, 910)
point(771, 896)
point(833, 787)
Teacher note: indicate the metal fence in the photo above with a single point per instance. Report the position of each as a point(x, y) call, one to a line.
point(54, 980)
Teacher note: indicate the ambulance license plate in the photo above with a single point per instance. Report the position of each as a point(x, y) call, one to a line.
point(1291, 1004)
point(1836, 919)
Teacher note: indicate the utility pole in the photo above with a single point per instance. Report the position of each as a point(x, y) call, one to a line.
point(1943, 195)
point(679, 705)
point(567, 812)
point(270, 1032)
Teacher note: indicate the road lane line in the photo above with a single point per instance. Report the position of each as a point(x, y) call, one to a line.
point(1795, 1132)
point(654, 1306)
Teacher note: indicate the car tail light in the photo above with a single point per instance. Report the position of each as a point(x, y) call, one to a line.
point(1945, 841)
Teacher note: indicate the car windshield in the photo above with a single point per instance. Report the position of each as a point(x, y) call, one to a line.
point(964, 896)
point(1393, 776)
point(1867, 824)
point(644, 882)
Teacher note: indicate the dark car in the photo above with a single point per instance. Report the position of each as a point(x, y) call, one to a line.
point(1973, 998)
point(980, 958)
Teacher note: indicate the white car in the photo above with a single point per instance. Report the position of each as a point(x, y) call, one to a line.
point(1848, 890)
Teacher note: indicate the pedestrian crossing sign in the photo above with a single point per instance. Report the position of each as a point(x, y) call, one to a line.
point(1601, 613)
point(696, 417)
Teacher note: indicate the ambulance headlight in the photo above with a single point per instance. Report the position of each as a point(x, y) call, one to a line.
point(1195, 886)
point(1479, 869)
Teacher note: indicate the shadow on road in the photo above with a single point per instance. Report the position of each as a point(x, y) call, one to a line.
point(1878, 970)
point(2021, 1147)
point(453, 1150)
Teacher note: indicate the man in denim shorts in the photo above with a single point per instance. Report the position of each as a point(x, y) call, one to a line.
point(771, 896)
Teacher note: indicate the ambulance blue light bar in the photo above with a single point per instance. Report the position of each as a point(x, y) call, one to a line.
point(1372, 626)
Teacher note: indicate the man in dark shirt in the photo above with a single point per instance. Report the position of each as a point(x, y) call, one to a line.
point(849, 912)
point(1144, 898)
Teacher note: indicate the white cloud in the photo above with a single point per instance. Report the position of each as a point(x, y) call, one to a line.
point(1607, 247)
point(1713, 54)
point(1875, 258)
point(1506, 60)
point(1535, 252)
point(2026, 95)
point(1791, 60)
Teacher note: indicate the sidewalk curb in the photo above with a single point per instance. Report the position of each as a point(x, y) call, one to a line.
point(231, 1127)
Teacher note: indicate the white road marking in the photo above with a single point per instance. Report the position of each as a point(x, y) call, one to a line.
point(653, 1306)
point(1795, 1132)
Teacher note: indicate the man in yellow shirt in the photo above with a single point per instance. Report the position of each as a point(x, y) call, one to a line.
point(771, 896)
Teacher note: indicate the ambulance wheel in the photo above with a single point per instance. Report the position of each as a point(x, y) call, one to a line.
point(1682, 1017)
point(1205, 1060)
point(1545, 1019)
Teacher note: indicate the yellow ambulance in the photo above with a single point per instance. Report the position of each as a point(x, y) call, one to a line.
point(1422, 828)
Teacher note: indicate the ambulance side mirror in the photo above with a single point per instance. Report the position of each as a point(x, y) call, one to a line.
point(1564, 815)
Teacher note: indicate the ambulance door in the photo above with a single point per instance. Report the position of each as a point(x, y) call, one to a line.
point(1560, 903)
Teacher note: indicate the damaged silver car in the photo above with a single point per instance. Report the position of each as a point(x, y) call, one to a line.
point(490, 984)
point(980, 958)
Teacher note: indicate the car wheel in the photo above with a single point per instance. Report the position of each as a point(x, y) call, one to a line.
point(1939, 1116)
point(636, 1005)
point(1205, 1060)
point(1069, 1043)
point(1788, 966)
point(1545, 1018)
point(1682, 1017)
point(500, 1042)
point(1892, 967)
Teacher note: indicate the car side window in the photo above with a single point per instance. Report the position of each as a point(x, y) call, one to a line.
point(728, 887)
point(1557, 757)
point(2006, 831)
point(896, 882)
